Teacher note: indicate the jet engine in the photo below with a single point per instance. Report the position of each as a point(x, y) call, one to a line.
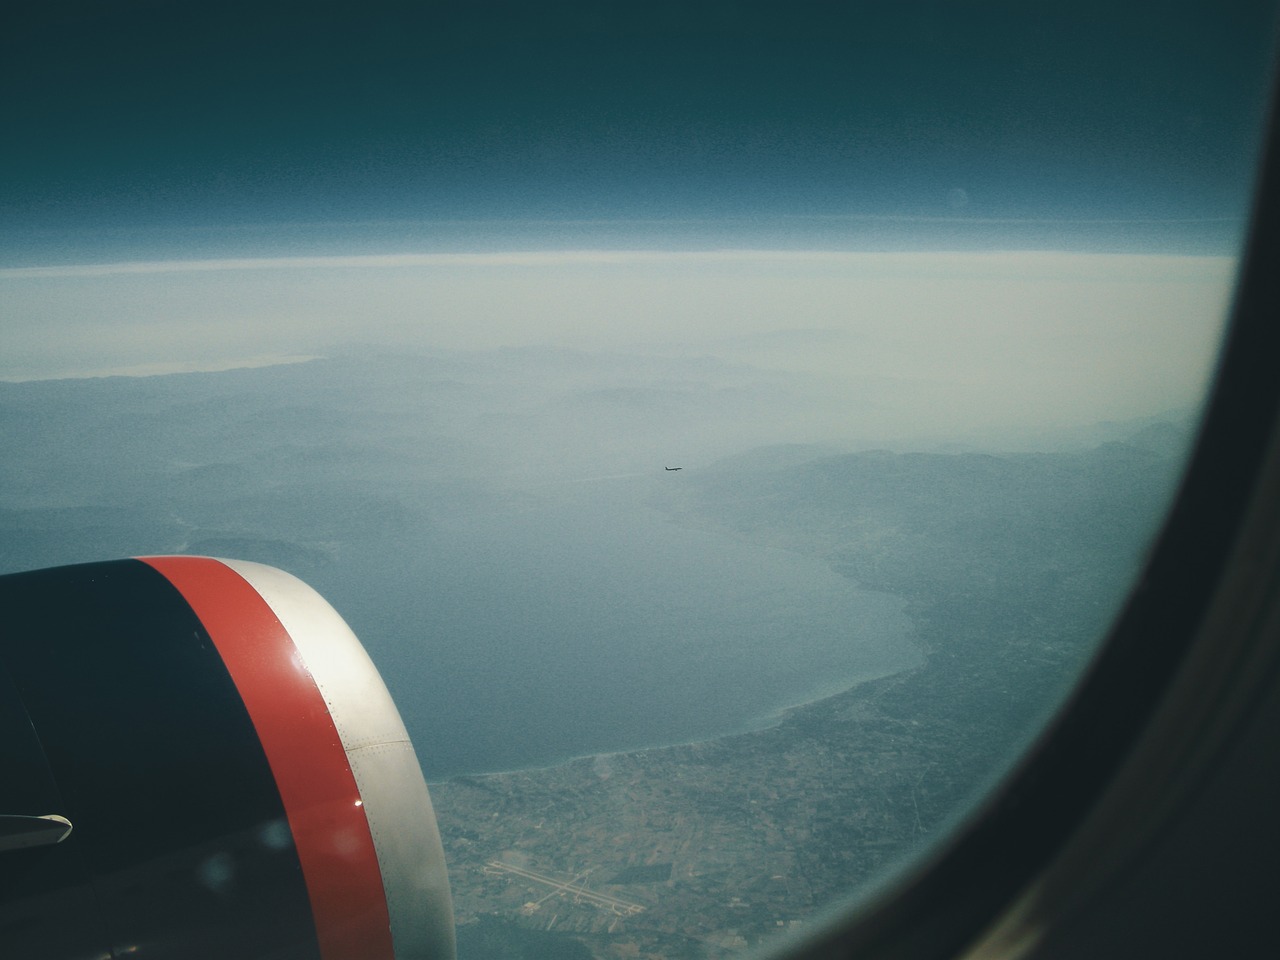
point(199, 760)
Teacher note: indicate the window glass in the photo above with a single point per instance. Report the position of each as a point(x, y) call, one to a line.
point(729, 427)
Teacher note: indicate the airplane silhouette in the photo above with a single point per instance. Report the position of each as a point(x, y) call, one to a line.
point(673, 468)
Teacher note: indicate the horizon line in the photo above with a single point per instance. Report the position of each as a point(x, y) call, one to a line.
point(546, 258)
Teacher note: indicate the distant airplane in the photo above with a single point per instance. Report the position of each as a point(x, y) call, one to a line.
point(673, 468)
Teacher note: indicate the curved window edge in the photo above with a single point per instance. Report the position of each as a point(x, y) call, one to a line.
point(1170, 716)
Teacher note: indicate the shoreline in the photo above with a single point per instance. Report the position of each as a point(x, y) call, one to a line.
point(767, 721)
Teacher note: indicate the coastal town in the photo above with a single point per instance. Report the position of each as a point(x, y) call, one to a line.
point(697, 850)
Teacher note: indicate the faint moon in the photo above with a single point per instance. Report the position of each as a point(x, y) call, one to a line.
point(957, 197)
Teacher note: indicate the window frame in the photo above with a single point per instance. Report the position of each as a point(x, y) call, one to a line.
point(1189, 665)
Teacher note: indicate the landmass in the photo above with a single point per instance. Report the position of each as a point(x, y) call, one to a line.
point(1008, 566)
point(1011, 568)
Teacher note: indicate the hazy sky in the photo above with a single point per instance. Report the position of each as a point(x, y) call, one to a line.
point(919, 343)
point(830, 188)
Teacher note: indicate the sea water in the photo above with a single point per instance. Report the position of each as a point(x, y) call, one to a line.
point(591, 623)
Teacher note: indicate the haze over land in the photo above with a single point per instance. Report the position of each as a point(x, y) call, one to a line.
point(499, 529)
point(479, 488)
point(856, 347)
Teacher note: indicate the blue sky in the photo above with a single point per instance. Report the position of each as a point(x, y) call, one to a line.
point(138, 127)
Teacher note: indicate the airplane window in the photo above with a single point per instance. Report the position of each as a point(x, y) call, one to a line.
point(730, 428)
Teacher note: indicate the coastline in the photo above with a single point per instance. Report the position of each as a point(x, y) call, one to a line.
point(710, 844)
point(770, 720)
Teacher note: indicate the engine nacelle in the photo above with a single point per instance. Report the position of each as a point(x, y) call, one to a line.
point(237, 780)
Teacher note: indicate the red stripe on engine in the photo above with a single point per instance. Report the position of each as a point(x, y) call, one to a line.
point(330, 832)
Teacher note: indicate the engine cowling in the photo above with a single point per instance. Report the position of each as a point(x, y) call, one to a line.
point(235, 775)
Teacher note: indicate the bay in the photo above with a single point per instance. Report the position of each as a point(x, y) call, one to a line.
point(590, 623)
